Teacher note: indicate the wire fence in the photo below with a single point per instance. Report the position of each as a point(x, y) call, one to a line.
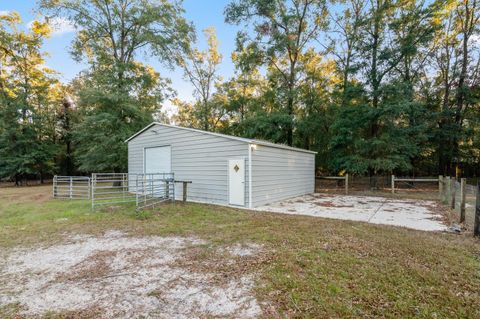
point(463, 202)
point(381, 183)
point(71, 187)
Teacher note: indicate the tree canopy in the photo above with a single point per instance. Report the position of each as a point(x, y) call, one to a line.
point(375, 87)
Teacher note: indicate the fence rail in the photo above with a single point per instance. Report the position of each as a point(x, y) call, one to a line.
point(337, 178)
point(412, 181)
point(145, 190)
point(71, 187)
point(153, 189)
point(110, 189)
point(357, 183)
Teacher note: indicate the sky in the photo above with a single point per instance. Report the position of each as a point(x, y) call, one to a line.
point(203, 14)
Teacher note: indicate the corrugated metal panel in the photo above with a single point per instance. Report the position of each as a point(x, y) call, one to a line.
point(230, 137)
point(278, 174)
point(200, 158)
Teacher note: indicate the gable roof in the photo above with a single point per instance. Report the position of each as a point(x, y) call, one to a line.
point(235, 138)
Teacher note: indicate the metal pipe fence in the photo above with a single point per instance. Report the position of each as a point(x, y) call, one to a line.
point(111, 188)
point(153, 189)
point(145, 190)
point(71, 187)
point(103, 189)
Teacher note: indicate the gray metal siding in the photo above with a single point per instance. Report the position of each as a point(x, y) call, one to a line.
point(278, 174)
point(197, 157)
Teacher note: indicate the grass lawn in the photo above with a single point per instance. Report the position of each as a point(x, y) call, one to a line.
point(309, 268)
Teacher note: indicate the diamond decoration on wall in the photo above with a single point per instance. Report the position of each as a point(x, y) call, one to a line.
point(236, 168)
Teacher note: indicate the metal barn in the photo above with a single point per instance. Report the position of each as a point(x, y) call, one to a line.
point(223, 169)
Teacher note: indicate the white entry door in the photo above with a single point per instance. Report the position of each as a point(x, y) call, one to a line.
point(236, 185)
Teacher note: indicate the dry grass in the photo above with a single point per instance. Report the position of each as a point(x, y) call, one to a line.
point(309, 267)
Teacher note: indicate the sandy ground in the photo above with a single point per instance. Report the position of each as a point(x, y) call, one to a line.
point(415, 214)
point(117, 276)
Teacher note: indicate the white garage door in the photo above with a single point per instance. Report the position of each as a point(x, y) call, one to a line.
point(158, 160)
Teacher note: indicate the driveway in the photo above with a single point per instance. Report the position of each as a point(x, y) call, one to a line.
point(415, 214)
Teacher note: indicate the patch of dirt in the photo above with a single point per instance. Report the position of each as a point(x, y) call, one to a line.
point(244, 250)
point(38, 194)
point(444, 213)
point(330, 204)
point(91, 268)
point(116, 276)
point(225, 263)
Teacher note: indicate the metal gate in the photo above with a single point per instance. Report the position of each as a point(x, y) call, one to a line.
point(71, 187)
point(145, 190)
point(152, 189)
point(110, 189)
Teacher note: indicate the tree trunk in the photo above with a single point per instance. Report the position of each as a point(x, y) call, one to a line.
point(460, 98)
point(290, 114)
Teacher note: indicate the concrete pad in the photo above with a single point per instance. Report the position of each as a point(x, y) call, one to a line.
point(415, 214)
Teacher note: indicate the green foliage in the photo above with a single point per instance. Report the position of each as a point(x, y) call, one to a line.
point(393, 146)
point(374, 87)
point(143, 215)
point(117, 96)
point(283, 30)
point(27, 88)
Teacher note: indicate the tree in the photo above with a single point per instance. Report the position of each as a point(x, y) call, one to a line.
point(468, 17)
point(201, 70)
point(316, 105)
point(344, 38)
point(380, 134)
point(27, 90)
point(449, 86)
point(283, 31)
point(243, 92)
point(119, 95)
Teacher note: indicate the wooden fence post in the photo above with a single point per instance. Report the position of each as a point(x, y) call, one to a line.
point(448, 189)
point(393, 184)
point(476, 228)
point(71, 187)
point(184, 191)
point(440, 186)
point(463, 197)
point(346, 184)
point(454, 192)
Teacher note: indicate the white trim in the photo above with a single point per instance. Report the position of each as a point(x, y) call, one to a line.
point(250, 176)
point(241, 139)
